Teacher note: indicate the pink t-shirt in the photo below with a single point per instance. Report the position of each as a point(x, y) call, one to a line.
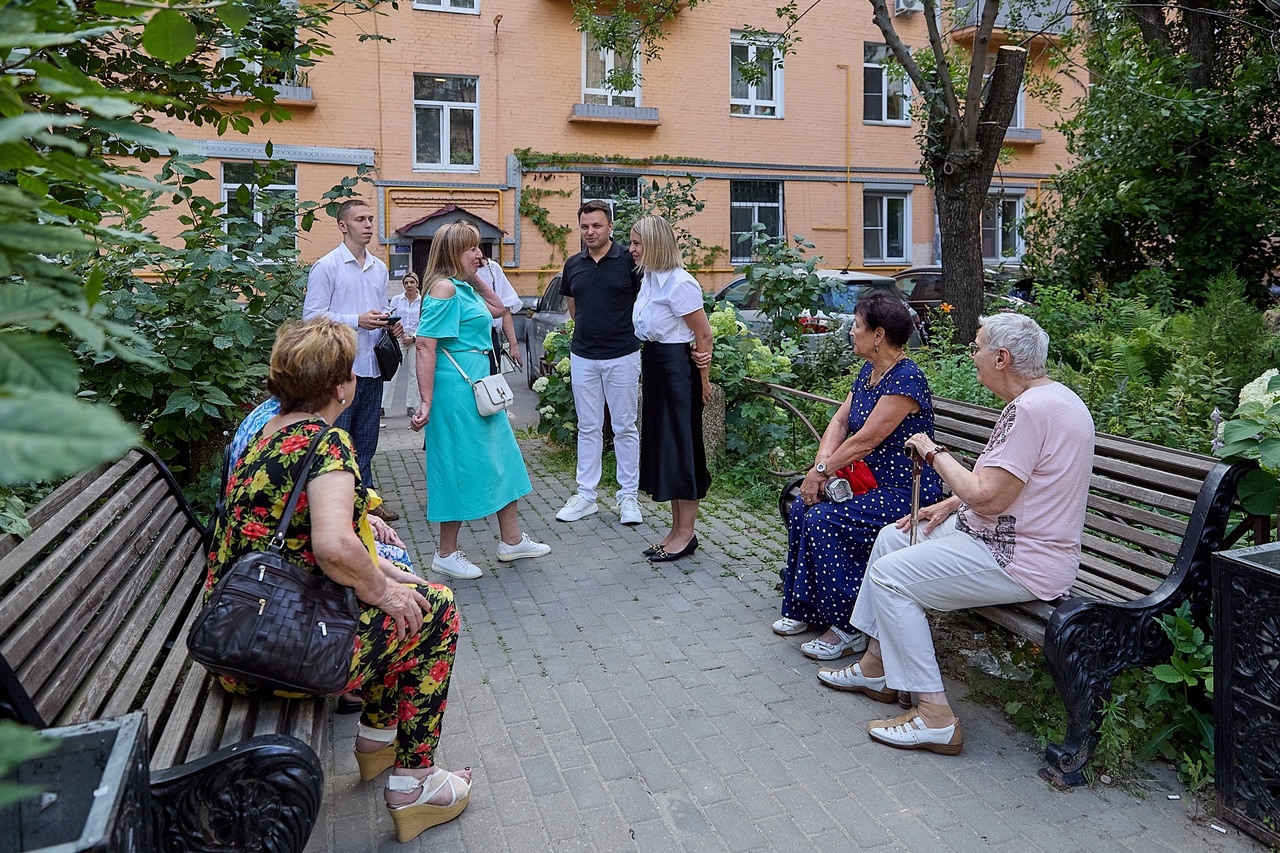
point(1044, 437)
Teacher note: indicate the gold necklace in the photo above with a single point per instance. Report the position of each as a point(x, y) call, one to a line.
point(873, 380)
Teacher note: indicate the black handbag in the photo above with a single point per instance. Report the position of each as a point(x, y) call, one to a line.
point(272, 624)
point(389, 354)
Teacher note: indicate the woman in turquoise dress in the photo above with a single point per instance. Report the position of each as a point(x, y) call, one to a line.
point(474, 466)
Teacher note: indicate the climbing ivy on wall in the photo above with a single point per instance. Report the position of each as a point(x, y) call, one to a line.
point(531, 207)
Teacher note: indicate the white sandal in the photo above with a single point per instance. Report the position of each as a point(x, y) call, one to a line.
point(412, 819)
point(372, 764)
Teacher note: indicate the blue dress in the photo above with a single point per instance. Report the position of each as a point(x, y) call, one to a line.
point(829, 543)
point(474, 466)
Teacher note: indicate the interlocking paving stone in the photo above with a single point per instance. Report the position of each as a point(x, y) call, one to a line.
point(607, 704)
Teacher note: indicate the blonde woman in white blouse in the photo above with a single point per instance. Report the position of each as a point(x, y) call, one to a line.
point(675, 361)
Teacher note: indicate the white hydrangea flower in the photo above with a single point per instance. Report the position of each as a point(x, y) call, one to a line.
point(1256, 391)
point(540, 384)
point(562, 366)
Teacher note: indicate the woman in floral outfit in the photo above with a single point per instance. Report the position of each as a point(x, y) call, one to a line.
point(404, 651)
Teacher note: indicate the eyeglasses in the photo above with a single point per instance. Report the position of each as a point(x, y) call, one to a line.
point(973, 348)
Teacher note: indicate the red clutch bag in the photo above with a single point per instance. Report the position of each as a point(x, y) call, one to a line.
point(859, 476)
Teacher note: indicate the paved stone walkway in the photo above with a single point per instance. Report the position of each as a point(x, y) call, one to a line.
point(610, 704)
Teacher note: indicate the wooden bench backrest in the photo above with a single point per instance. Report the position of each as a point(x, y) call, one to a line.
point(1141, 499)
point(95, 606)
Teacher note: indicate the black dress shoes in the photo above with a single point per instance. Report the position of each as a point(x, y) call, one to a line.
point(662, 555)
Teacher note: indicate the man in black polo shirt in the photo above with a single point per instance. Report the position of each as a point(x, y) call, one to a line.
point(601, 283)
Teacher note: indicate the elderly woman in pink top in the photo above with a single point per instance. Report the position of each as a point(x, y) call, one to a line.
point(1010, 532)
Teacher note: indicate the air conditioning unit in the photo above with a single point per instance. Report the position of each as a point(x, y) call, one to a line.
point(907, 7)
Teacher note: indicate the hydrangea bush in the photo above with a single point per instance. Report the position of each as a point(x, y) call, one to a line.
point(1254, 433)
point(557, 418)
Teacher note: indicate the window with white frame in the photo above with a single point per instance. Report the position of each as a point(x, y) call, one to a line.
point(607, 188)
point(253, 193)
point(884, 95)
point(469, 7)
point(1000, 217)
point(763, 98)
point(445, 119)
point(751, 202)
point(597, 64)
point(885, 219)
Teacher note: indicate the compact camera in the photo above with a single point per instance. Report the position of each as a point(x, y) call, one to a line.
point(838, 490)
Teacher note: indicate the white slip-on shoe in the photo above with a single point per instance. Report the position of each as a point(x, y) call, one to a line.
point(787, 627)
point(846, 644)
point(850, 678)
point(526, 547)
point(577, 507)
point(629, 510)
point(456, 565)
point(914, 734)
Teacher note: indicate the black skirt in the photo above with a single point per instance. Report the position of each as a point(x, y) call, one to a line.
point(673, 459)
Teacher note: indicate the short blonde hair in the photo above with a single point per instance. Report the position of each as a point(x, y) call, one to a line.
point(308, 361)
point(447, 248)
point(661, 254)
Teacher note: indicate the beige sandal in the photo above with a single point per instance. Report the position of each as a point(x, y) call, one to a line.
point(412, 819)
point(372, 764)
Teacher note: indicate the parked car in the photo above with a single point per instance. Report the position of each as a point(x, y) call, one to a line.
point(551, 312)
point(924, 290)
point(832, 315)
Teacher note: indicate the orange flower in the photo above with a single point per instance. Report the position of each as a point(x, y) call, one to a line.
point(946, 308)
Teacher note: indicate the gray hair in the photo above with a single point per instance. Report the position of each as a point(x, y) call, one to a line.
point(1022, 337)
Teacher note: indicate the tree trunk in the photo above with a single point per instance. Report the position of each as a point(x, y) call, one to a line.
point(962, 175)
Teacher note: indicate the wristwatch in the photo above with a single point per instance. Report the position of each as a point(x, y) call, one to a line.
point(940, 448)
point(821, 467)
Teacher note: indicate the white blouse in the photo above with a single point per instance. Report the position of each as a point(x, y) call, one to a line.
point(664, 299)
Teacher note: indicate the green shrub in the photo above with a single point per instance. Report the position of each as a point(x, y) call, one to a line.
point(557, 417)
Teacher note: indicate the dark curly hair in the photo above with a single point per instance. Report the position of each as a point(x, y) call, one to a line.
point(881, 310)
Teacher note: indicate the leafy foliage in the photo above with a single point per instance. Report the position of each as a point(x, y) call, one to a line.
point(1176, 167)
point(71, 113)
point(675, 201)
point(18, 744)
point(1254, 433)
point(789, 285)
point(754, 425)
point(557, 415)
point(210, 308)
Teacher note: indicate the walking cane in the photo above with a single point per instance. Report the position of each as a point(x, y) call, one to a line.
point(917, 468)
point(905, 699)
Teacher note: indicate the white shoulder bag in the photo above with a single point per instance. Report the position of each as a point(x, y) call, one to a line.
point(493, 394)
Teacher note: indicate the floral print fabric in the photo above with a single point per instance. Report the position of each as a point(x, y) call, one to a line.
point(404, 684)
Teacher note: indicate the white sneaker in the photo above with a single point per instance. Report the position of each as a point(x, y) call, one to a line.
point(629, 509)
point(526, 547)
point(456, 565)
point(577, 507)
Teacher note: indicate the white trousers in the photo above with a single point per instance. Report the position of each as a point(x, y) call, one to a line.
point(946, 570)
point(409, 366)
point(616, 382)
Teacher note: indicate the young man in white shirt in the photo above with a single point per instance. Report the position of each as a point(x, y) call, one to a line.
point(349, 285)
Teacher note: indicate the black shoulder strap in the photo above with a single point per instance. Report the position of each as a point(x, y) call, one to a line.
point(220, 500)
point(299, 485)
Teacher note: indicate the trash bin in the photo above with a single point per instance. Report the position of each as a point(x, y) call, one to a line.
point(95, 791)
point(1246, 702)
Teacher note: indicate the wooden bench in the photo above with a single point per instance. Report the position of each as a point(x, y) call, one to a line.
point(1154, 519)
point(95, 606)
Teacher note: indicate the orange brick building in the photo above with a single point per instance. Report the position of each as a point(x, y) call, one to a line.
point(495, 106)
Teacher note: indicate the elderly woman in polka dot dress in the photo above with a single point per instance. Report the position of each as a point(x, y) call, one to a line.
point(829, 542)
